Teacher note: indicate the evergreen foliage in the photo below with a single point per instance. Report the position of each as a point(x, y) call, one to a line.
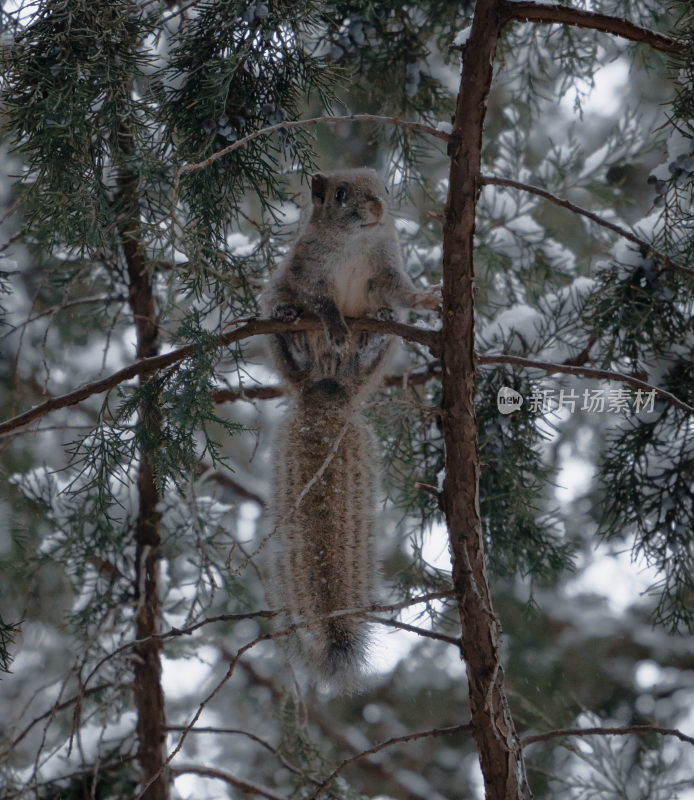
point(107, 239)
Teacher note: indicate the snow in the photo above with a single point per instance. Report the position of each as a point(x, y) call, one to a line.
point(462, 36)
point(240, 244)
point(574, 479)
point(520, 319)
point(183, 677)
point(616, 578)
point(605, 93)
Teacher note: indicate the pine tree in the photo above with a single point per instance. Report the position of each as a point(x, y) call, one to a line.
point(156, 154)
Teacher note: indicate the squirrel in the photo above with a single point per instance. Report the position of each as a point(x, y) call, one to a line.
point(345, 262)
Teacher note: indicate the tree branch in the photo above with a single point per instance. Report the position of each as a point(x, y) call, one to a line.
point(631, 729)
point(586, 372)
point(82, 773)
point(148, 692)
point(59, 706)
point(61, 307)
point(264, 614)
point(248, 735)
point(618, 26)
point(306, 123)
point(264, 637)
point(488, 180)
point(417, 378)
point(253, 327)
point(408, 737)
point(394, 623)
point(238, 783)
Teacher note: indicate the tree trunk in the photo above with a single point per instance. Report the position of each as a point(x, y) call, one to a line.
point(496, 739)
point(147, 690)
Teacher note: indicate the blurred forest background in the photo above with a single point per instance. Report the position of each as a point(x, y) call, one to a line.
point(108, 255)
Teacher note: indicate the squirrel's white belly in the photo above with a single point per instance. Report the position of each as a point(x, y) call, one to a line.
point(351, 288)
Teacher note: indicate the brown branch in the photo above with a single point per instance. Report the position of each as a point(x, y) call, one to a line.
point(305, 123)
point(394, 623)
point(264, 637)
point(253, 327)
point(225, 479)
point(262, 614)
point(408, 737)
point(488, 180)
point(82, 773)
point(61, 307)
point(618, 26)
point(631, 729)
point(60, 706)
point(175, 632)
point(230, 731)
point(408, 379)
point(586, 372)
point(238, 783)
point(326, 723)
point(500, 754)
point(248, 735)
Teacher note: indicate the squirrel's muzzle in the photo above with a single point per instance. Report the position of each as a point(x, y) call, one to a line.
point(376, 209)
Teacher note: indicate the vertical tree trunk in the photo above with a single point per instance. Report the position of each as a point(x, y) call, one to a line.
point(497, 743)
point(148, 693)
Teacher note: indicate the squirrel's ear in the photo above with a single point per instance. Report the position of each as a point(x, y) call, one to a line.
point(318, 186)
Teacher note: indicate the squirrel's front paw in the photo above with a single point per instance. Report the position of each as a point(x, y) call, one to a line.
point(429, 300)
point(338, 335)
point(385, 314)
point(285, 312)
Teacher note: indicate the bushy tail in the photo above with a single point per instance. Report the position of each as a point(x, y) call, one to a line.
point(326, 491)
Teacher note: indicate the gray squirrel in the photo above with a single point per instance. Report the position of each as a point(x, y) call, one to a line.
point(345, 262)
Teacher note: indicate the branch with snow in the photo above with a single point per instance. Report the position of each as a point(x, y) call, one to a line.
point(586, 372)
point(668, 263)
point(527, 11)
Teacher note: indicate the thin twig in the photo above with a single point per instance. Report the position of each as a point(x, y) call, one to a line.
point(304, 123)
point(408, 737)
point(488, 180)
point(89, 771)
point(263, 613)
point(237, 783)
point(394, 623)
point(248, 735)
point(59, 706)
point(417, 378)
point(586, 372)
point(69, 304)
point(629, 729)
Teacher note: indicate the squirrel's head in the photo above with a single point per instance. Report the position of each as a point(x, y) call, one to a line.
point(349, 200)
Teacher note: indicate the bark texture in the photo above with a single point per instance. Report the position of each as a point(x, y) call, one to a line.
point(497, 743)
point(147, 689)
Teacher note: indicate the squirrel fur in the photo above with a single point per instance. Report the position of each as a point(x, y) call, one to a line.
point(346, 262)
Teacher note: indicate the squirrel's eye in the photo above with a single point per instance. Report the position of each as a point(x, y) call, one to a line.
point(341, 194)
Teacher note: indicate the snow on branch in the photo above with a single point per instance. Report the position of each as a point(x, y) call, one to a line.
point(668, 263)
point(526, 11)
point(586, 372)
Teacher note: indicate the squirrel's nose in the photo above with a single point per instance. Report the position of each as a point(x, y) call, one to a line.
point(376, 208)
